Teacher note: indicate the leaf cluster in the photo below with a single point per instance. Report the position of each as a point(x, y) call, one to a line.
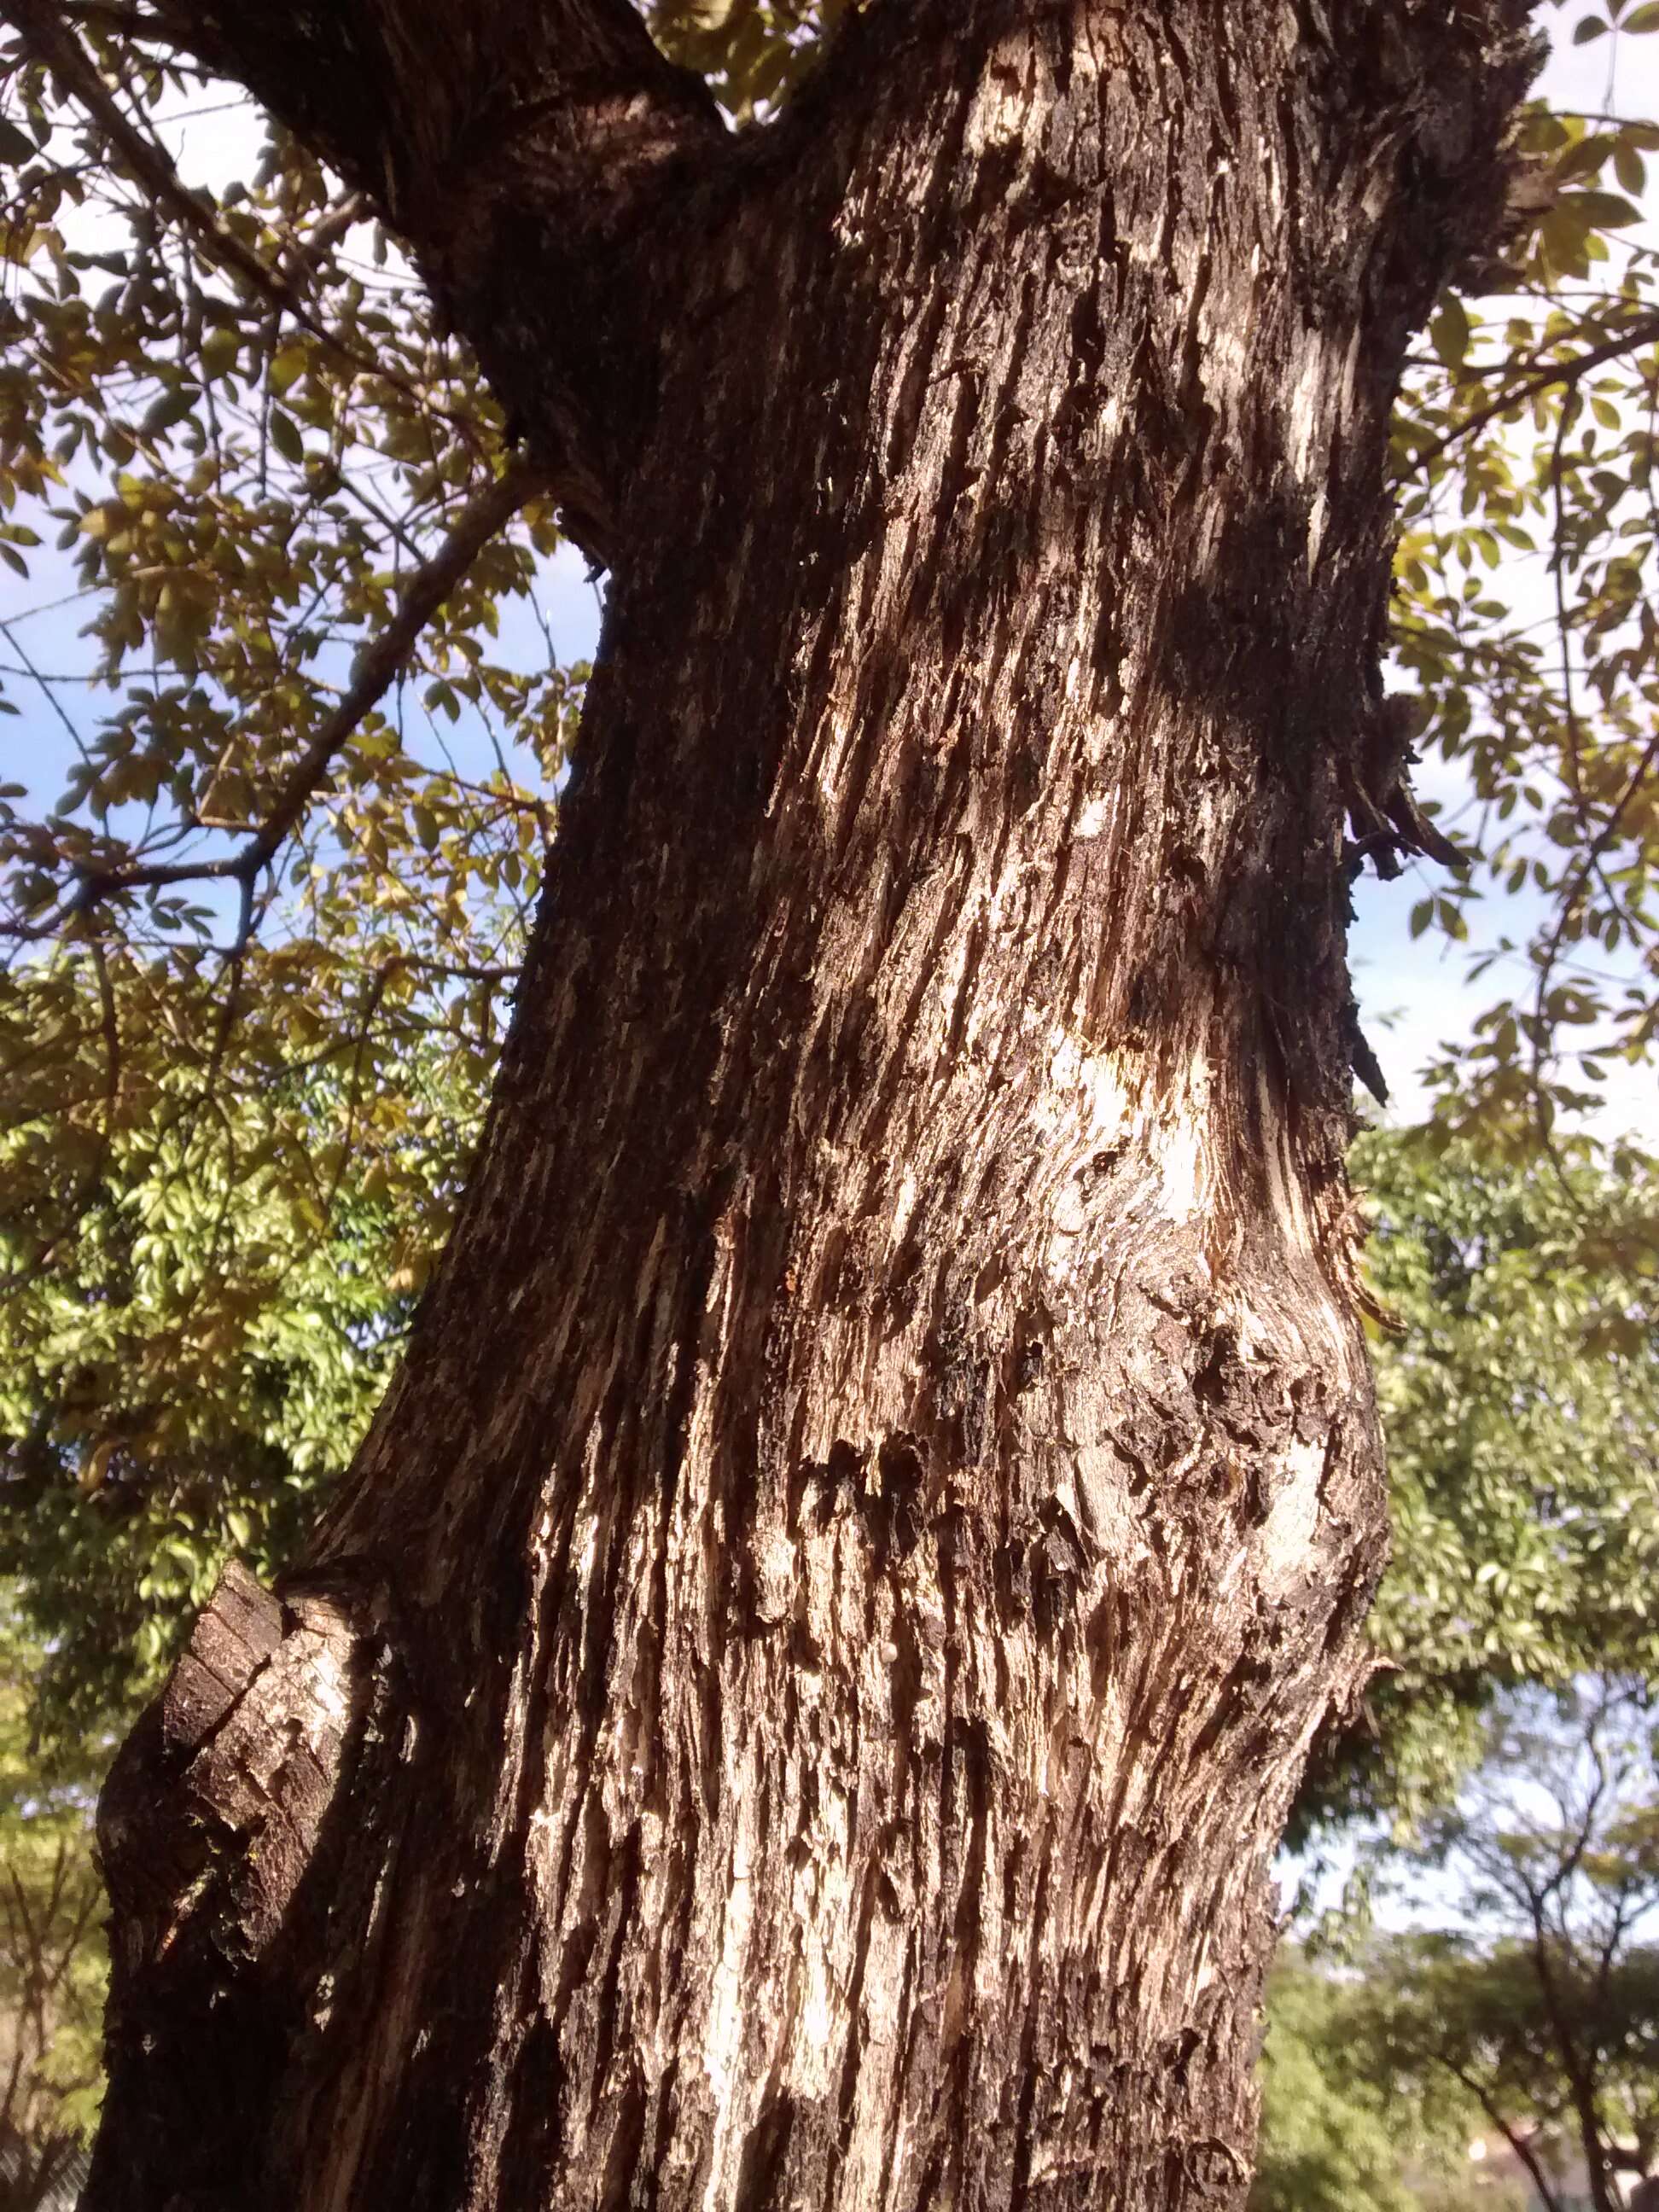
point(1524, 449)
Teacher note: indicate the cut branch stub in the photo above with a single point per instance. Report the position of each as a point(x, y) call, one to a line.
point(224, 1865)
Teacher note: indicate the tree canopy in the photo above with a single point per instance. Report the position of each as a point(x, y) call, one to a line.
point(1343, 2130)
point(1508, 1989)
point(1519, 1385)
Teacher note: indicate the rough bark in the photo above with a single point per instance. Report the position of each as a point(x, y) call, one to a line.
point(797, 1701)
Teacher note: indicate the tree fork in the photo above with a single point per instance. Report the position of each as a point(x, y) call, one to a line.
point(796, 1698)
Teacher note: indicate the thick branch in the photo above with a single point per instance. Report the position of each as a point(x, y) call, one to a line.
point(51, 41)
point(416, 103)
point(517, 145)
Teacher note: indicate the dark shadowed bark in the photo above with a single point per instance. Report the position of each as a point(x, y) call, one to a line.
point(796, 1703)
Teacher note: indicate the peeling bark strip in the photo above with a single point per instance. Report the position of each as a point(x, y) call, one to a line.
point(796, 1703)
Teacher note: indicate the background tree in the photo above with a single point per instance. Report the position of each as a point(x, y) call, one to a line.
point(1517, 1386)
point(1343, 2131)
point(557, 385)
point(52, 1959)
point(1545, 2007)
point(171, 1409)
point(205, 1451)
point(1518, 1381)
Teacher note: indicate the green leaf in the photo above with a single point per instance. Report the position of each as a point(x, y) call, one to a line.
point(221, 350)
point(1449, 332)
point(286, 366)
point(1606, 211)
point(1584, 159)
point(172, 407)
point(286, 436)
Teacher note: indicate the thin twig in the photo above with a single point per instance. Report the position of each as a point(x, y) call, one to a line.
point(1567, 372)
point(63, 52)
point(488, 512)
point(128, 23)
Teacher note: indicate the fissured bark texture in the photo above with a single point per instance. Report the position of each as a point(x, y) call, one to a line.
point(796, 1703)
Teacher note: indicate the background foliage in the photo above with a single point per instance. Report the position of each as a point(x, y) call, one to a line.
point(1519, 1389)
point(1345, 2130)
point(52, 1962)
point(1538, 2002)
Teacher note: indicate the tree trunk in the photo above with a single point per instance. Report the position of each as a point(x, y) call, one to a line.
point(797, 1701)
